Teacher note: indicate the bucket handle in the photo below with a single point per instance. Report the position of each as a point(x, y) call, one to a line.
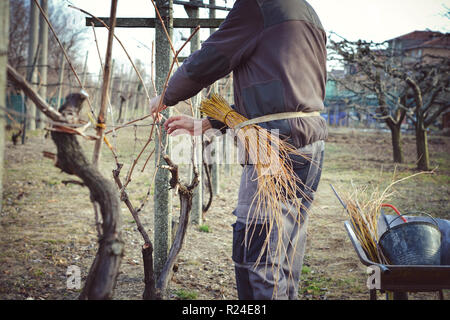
point(429, 215)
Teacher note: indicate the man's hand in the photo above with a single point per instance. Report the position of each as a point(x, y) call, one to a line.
point(155, 108)
point(184, 124)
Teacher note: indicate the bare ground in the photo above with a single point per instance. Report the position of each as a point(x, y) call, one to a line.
point(47, 225)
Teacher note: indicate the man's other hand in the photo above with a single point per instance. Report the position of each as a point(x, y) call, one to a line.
point(184, 124)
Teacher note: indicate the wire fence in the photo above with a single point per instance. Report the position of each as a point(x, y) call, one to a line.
point(127, 98)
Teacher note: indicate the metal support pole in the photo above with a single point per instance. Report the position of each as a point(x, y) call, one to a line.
point(4, 32)
point(127, 96)
point(32, 51)
point(197, 200)
point(60, 80)
point(162, 194)
point(119, 94)
point(83, 81)
point(215, 170)
point(43, 62)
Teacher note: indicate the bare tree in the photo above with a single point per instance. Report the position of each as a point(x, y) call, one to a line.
point(64, 22)
point(429, 98)
point(18, 33)
point(406, 87)
point(367, 64)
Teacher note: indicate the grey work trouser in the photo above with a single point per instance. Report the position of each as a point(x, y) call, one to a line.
point(277, 273)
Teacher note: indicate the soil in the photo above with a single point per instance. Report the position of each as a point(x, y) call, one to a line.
point(48, 225)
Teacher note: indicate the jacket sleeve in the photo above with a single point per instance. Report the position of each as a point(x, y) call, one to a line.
point(222, 52)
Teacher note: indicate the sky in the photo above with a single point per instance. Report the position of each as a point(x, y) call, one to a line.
point(371, 20)
point(380, 20)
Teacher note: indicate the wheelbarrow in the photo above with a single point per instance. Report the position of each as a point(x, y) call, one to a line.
point(397, 280)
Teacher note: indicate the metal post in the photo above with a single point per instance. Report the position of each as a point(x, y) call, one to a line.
point(4, 32)
point(120, 89)
point(226, 154)
point(228, 140)
point(215, 170)
point(111, 82)
point(83, 81)
point(98, 90)
point(127, 96)
point(134, 103)
point(197, 200)
point(61, 81)
point(215, 167)
point(43, 62)
point(162, 194)
point(215, 163)
point(110, 106)
point(212, 14)
point(193, 13)
point(32, 51)
point(24, 112)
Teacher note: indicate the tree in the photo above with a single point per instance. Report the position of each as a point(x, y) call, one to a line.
point(366, 65)
point(406, 87)
point(429, 98)
point(62, 20)
point(18, 32)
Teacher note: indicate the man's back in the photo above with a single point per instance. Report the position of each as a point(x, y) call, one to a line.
point(277, 52)
point(287, 70)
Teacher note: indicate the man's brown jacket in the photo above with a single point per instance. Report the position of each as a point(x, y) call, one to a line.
point(276, 50)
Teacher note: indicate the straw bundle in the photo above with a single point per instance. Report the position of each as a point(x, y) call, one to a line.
point(364, 209)
point(278, 185)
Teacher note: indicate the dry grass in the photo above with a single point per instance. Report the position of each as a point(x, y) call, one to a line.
point(363, 205)
point(363, 208)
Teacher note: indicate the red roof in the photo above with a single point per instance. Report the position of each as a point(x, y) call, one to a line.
point(419, 35)
point(422, 39)
point(443, 41)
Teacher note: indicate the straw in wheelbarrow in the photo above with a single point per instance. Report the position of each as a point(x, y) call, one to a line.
point(363, 208)
point(363, 205)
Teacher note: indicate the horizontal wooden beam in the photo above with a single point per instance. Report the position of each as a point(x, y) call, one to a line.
point(150, 22)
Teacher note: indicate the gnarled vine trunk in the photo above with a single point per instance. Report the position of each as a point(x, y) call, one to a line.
point(105, 268)
point(70, 159)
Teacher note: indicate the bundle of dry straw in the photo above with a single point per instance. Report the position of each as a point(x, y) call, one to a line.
point(278, 185)
point(364, 210)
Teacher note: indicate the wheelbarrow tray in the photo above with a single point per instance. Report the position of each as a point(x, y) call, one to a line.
point(404, 278)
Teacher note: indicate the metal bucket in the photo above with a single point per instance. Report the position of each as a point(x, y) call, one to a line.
point(412, 243)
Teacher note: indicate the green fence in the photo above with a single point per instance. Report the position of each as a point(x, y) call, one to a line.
point(15, 105)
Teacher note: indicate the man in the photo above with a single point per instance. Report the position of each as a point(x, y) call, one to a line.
point(276, 50)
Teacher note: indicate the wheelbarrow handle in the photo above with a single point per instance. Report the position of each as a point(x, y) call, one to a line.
point(384, 269)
